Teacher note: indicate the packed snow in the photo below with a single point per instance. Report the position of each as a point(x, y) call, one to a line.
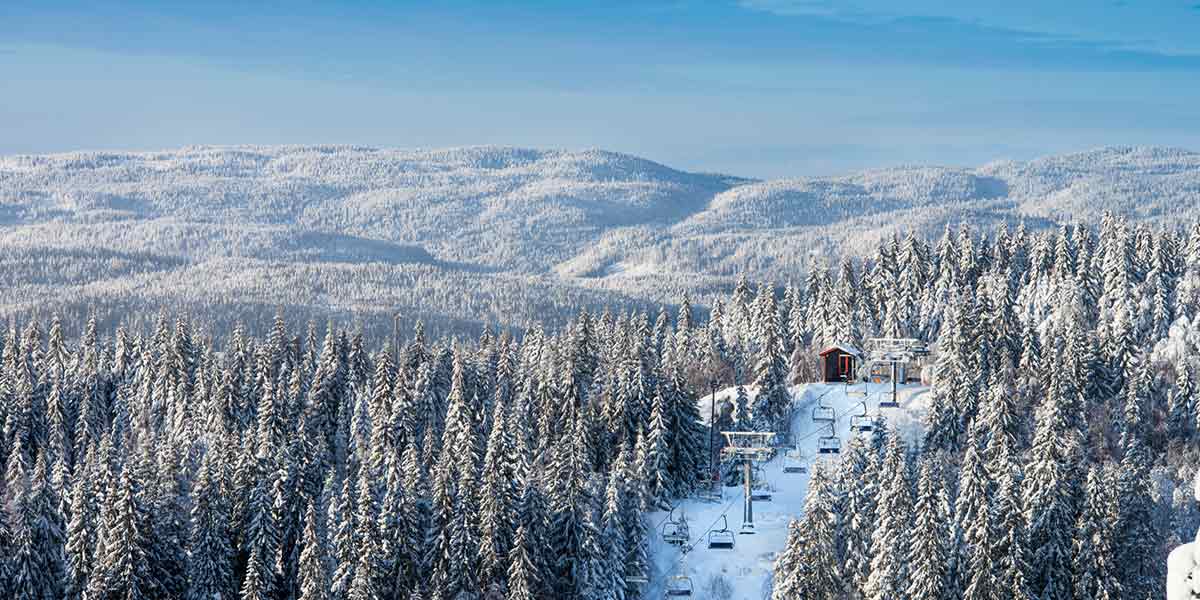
point(748, 566)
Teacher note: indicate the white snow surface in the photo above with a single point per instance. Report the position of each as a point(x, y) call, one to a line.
point(749, 565)
point(1183, 567)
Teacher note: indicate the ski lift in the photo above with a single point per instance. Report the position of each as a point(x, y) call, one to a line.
point(829, 444)
point(708, 485)
point(675, 532)
point(679, 586)
point(861, 423)
point(853, 390)
point(760, 488)
point(721, 539)
point(889, 402)
point(637, 579)
point(823, 414)
point(793, 461)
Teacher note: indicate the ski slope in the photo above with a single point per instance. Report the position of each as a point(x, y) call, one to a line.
point(748, 566)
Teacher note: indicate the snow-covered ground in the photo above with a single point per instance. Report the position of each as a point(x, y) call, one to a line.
point(747, 567)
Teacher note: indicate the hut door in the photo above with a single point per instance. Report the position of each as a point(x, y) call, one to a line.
point(844, 364)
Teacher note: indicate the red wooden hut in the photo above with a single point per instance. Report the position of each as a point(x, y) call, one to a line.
point(839, 362)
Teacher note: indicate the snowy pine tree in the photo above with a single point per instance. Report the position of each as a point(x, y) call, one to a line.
point(889, 543)
point(929, 549)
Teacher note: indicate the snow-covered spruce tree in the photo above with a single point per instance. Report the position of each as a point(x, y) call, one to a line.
point(368, 568)
point(81, 535)
point(972, 522)
point(313, 571)
point(524, 577)
point(743, 420)
point(858, 479)
point(633, 527)
point(1095, 558)
point(689, 438)
point(1181, 404)
point(813, 566)
point(339, 523)
point(121, 571)
point(847, 314)
point(1001, 421)
point(955, 388)
point(889, 542)
point(788, 566)
point(816, 284)
point(210, 551)
point(31, 568)
point(654, 456)
point(445, 495)
point(400, 525)
point(1007, 547)
point(1050, 490)
point(1188, 289)
point(260, 541)
point(572, 519)
point(773, 400)
point(497, 502)
point(463, 551)
point(929, 548)
point(612, 539)
point(1142, 576)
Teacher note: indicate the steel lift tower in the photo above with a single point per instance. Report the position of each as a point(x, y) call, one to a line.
point(748, 447)
point(894, 352)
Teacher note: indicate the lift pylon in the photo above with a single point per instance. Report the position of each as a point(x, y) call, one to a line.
point(748, 447)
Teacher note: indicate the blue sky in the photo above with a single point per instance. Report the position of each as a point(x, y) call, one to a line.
point(762, 88)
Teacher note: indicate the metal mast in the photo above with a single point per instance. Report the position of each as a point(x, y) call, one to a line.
point(748, 447)
point(895, 352)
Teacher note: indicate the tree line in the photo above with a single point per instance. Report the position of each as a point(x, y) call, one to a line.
point(159, 463)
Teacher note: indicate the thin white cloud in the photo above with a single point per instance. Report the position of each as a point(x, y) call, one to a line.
point(1162, 26)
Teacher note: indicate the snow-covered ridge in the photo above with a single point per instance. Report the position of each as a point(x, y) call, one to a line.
point(602, 224)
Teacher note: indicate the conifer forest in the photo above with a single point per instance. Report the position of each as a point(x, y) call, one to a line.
point(168, 459)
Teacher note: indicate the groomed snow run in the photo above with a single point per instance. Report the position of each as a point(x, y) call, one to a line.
point(747, 567)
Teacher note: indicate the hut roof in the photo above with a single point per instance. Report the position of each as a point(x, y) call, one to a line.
point(844, 348)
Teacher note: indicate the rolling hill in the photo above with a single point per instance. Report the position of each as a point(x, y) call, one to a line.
point(496, 235)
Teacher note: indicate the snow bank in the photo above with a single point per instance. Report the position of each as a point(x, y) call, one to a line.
point(1183, 566)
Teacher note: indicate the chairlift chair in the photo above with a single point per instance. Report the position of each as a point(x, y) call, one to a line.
point(758, 477)
point(708, 485)
point(679, 586)
point(675, 532)
point(823, 414)
point(793, 461)
point(637, 579)
point(721, 539)
point(861, 423)
point(888, 402)
point(760, 488)
point(829, 444)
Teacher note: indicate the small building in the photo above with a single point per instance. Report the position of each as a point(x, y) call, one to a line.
point(839, 362)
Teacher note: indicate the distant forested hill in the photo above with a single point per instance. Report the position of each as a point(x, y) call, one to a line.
point(504, 236)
